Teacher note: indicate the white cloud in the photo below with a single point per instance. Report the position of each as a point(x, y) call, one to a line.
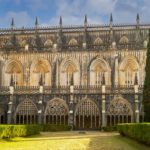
point(20, 18)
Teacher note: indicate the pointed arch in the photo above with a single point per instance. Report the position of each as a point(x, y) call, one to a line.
point(69, 70)
point(13, 68)
point(87, 114)
point(26, 112)
point(73, 42)
point(56, 112)
point(48, 43)
point(99, 68)
point(119, 111)
point(124, 40)
point(127, 70)
point(40, 67)
point(2, 115)
point(98, 41)
point(23, 43)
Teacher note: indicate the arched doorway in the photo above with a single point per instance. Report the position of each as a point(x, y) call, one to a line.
point(119, 111)
point(87, 115)
point(2, 116)
point(56, 112)
point(26, 113)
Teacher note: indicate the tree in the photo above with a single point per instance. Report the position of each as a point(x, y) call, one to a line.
point(146, 90)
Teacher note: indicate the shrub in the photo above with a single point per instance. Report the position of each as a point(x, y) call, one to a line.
point(54, 127)
point(137, 131)
point(109, 128)
point(8, 131)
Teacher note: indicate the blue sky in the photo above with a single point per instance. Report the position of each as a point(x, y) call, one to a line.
point(24, 12)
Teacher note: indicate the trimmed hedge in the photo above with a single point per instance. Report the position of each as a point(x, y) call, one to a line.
point(137, 131)
point(54, 127)
point(8, 131)
point(109, 128)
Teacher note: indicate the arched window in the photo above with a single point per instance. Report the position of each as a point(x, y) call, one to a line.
point(26, 112)
point(99, 71)
point(56, 112)
point(73, 42)
point(128, 69)
point(14, 70)
point(124, 40)
point(119, 111)
point(70, 72)
point(87, 114)
point(98, 41)
point(48, 43)
point(38, 69)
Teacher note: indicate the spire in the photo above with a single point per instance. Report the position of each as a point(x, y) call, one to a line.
point(111, 21)
point(138, 19)
point(85, 20)
point(41, 81)
point(11, 81)
point(103, 79)
point(36, 22)
point(136, 80)
point(60, 21)
point(12, 23)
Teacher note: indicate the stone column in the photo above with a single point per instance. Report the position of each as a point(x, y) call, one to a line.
point(136, 99)
point(103, 106)
point(40, 105)
point(10, 105)
point(71, 112)
point(116, 70)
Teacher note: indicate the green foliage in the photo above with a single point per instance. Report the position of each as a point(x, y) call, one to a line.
point(109, 128)
point(54, 127)
point(146, 91)
point(8, 131)
point(137, 131)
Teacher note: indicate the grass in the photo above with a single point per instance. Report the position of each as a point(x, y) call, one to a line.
point(72, 141)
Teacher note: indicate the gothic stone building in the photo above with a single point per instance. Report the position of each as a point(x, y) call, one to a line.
point(87, 76)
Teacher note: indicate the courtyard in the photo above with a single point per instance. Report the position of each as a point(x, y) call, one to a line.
point(74, 140)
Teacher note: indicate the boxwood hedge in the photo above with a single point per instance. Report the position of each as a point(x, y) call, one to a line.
point(8, 131)
point(137, 131)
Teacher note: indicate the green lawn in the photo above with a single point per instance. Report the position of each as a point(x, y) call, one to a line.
point(73, 141)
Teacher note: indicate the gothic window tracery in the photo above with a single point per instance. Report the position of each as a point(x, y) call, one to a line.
point(14, 70)
point(129, 68)
point(87, 114)
point(119, 111)
point(56, 112)
point(38, 69)
point(26, 112)
point(48, 43)
point(73, 42)
point(98, 41)
point(124, 40)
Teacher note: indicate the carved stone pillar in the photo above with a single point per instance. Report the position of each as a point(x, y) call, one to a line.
point(103, 106)
point(136, 103)
point(10, 105)
point(71, 110)
point(40, 105)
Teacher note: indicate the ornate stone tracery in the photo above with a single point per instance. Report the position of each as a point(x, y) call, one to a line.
point(87, 114)
point(26, 112)
point(56, 112)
